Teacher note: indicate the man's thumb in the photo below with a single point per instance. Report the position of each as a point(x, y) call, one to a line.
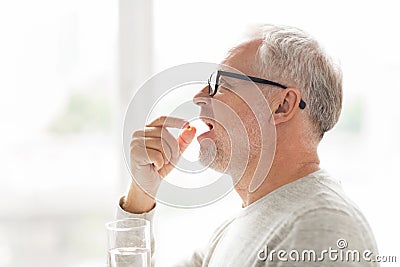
point(186, 137)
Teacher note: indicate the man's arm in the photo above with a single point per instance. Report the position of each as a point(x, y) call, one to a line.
point(144, 208)
point(147, 215)
point(153, 154)
point(137, 201)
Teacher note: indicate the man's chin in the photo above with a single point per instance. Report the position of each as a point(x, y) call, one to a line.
point(210, 160)
point(206, 160)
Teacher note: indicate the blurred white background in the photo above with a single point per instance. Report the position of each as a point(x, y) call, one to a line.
point(69, 68)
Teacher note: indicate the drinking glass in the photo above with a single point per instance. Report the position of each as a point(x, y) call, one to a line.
point(129, 243)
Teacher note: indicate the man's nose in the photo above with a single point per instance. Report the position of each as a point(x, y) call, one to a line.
point(202, 97)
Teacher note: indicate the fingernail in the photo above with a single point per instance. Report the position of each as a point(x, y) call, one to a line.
point(186, 124)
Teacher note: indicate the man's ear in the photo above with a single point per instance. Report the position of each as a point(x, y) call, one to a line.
point(288, 105)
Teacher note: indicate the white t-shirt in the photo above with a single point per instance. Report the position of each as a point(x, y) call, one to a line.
point(308, 222)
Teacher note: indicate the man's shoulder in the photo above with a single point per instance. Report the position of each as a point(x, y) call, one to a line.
point(325, 203)
point(317, 193)
point(324, 215)
point(315, 204)
point(325, 198)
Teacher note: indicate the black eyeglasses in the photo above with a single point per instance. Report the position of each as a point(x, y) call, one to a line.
point(214, 82)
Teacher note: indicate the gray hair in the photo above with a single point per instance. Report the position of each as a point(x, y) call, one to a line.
point(291, 57)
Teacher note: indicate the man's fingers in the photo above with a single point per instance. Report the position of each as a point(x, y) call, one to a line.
point(165, 121)
point(154, 157)
point(155, 143)
point(186, 137)
point(166, 169)
point(159, 132)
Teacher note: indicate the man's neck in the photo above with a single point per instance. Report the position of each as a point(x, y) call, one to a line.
point(284, 169)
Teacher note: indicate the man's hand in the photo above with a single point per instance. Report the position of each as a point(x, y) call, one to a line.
point(153, 154)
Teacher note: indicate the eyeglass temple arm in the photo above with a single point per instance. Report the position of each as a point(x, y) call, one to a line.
point(302, 104)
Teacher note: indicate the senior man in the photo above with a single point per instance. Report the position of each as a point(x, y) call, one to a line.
point(298, 214)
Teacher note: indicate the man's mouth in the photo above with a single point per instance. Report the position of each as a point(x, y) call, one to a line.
point(210, 125)
point(209, 122)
